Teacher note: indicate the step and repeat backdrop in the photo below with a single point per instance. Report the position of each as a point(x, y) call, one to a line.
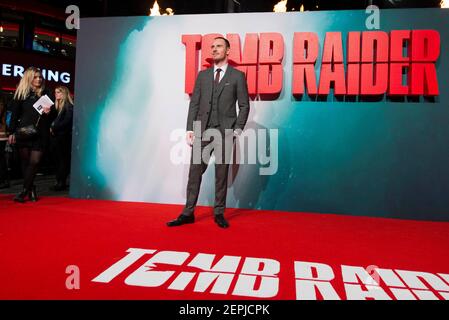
point(349, 115)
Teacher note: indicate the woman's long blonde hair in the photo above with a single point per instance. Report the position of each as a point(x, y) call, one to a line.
point(59, 104)
point(24, 88)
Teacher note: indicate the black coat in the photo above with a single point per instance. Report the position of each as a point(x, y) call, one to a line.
point(24, 114)
point(62, 125)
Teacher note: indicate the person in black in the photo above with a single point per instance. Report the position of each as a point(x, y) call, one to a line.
point(29, 90)
point(4, 181)
point(61, 136)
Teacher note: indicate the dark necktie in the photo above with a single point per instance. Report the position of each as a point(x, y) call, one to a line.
point(217, 76)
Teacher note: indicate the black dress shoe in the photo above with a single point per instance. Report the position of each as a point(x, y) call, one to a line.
point(182, 219)
point(20, 197)
point(221, 221)
point(32, 194)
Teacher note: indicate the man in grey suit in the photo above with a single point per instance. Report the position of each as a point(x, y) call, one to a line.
point(212, 114)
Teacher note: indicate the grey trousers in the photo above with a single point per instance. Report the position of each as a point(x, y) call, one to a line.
point(222, 152)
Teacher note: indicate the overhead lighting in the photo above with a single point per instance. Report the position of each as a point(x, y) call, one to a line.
point(1, 27)
point(57, 39)
point(169, 12)
point(156, 10)
point(444, 4)
point(281, 6)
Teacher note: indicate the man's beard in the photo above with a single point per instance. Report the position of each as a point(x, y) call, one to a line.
point(216, 60)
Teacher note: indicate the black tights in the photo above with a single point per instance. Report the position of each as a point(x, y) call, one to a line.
point(30, 159)
point(3, 166)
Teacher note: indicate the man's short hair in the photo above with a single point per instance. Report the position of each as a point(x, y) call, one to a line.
point(228, 45)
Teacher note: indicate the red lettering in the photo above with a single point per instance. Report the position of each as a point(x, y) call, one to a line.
point(423, 79)
point(374, 46)
point(271, 54)
point(425, 45)
point(397, 42)
point(305, 54)
point(304, 73)
point(374, 78)
point(192, 43)
point(353, 47)
point(374, 70)
point(271, 49)
point(333, 48)
point(250, 50)
point(247, 63)
point(332, 73)
point(332, 69)
point(424, 53)
point(396, 86)
point(399, 63)
point(353, 67)
point(305, 47)
point(270, 81)
point(353, 79)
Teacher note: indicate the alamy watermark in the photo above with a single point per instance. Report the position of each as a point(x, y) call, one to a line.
point(252, 146)
point(72, 282)
point(372, 22)
point(73, 20)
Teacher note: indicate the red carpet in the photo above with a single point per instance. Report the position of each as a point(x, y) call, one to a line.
point(39, 240)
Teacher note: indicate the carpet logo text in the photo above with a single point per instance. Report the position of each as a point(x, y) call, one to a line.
point(260, 277)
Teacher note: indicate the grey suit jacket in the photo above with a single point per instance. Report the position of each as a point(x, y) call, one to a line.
point(232, 88)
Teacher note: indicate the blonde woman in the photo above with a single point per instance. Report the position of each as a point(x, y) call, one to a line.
point(31, 148)
point(61, 136)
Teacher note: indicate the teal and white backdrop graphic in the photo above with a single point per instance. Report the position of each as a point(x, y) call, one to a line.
point(383, 158)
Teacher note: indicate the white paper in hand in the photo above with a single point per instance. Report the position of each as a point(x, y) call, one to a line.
point(43, 102)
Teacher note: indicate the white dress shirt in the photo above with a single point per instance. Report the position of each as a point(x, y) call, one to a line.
point(223, 70)
point(222, 73)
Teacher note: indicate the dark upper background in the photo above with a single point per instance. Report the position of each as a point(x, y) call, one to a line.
point(97, 8)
